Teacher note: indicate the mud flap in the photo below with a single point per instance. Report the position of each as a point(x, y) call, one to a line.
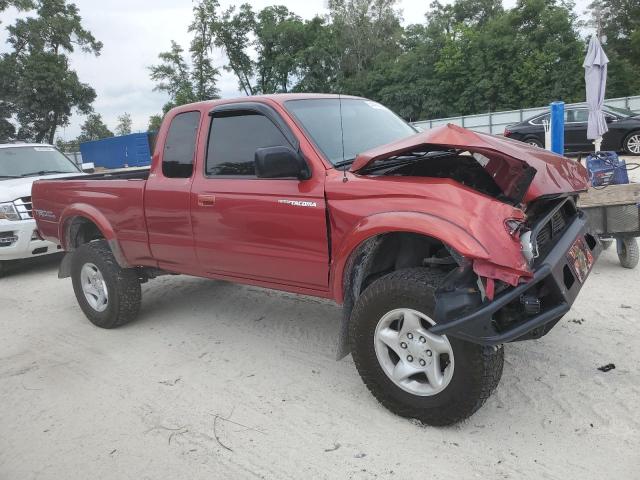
point(65, 266)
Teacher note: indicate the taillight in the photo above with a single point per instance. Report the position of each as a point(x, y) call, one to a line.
point(507, 132)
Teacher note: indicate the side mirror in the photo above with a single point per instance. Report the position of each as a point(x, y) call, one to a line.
point(609, 119)
point(88, 167)
point(280, 162)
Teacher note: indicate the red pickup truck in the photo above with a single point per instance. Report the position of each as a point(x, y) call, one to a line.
point(441, 245)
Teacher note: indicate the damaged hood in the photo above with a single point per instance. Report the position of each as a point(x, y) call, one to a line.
point(523, 172)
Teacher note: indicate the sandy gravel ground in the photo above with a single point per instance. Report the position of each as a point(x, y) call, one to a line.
point(219, 381)
point(141, 402)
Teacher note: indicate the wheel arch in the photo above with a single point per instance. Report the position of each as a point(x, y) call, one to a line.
point(386, 242)
point(80, 224)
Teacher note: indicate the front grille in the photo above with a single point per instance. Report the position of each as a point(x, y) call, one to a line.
point(24, 207)
point(551, 225)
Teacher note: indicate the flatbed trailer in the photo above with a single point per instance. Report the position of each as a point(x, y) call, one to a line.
point(614, 214)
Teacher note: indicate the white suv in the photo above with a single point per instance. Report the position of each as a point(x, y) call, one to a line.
point(20, 165)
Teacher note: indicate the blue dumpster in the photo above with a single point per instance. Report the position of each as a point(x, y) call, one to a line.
point(118, 152)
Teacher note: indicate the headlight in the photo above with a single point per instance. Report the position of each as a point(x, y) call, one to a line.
point(8, 211)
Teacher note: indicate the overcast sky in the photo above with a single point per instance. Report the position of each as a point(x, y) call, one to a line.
point(135, 31)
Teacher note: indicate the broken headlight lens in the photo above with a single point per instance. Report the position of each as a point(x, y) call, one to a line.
point(8, 211)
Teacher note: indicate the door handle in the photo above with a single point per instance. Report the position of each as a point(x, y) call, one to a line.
point(206, 200)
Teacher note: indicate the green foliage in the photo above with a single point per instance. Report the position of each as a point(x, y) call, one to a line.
point(470, 56)
point(154, 123)
point(231, 33)
point(620, 22)
point(203, 73)
point(39, 89)
point(173, 76)
point(93, 128)
point(124, 124)
point(184, 82)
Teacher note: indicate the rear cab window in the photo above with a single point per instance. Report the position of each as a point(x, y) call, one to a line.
point(180, 145)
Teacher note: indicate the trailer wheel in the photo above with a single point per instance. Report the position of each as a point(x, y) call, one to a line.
point(628, 252)
point(109, 295)
point(412, 372)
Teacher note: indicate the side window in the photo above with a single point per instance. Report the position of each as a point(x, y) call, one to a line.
point(234, 139)
point(540, 120)
point(180, 145)
point(581, 115)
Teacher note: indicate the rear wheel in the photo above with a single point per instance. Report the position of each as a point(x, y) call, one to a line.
point(412, 372)
point(533, 141)
point(628, 253)
point(631, 144)
point(108, 295)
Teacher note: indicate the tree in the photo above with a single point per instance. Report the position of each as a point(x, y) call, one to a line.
point(172, 76)
point(184, 82)
point(154, 123)
point(231, 32)
point(124, 124)
point(44, 90)
point(473, 56)
point(619, 20)
point(203, 74)
point(93, 129)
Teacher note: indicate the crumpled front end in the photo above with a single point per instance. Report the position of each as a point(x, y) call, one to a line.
point(562, 253)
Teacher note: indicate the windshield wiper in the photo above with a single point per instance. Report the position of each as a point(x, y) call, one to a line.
point(42, 172)
point(9, 176)
point(344, 163)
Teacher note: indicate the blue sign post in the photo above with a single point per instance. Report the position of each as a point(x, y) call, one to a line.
point(557, 127)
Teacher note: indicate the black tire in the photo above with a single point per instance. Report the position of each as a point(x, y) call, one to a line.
point(627, 145)
point(628, 252)
point(123, 286)
point(477, 369)
point(533, 141)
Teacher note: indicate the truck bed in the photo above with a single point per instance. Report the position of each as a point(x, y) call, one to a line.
point(122, 174)
point(113, 201)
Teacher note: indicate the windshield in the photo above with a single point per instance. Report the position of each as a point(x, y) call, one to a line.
point(16, 162)
point(366, 125)
point(621, 111)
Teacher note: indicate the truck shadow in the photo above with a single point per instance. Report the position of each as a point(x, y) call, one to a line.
point(47, 265)
point(204, 305)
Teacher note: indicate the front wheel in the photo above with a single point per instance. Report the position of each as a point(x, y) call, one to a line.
point(108, 295)
point(412, 372)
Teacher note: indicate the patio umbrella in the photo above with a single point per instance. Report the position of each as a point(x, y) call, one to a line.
point(595, 78)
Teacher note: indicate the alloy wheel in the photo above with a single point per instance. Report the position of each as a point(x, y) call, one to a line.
point(416, 360)
point(94, 287)
point(633, 144)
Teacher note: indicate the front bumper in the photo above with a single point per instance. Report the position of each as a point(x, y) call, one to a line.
point(554, 281)
point(18, 241)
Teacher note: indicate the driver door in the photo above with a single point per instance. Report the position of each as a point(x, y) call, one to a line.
point(271, 230)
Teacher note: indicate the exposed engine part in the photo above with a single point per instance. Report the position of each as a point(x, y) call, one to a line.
point(527, 246)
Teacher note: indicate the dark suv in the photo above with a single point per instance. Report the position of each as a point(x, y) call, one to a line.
point(623, 134)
